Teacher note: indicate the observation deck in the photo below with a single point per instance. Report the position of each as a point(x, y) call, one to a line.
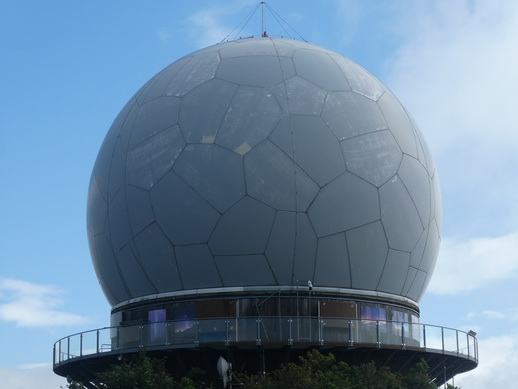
point(268, 342)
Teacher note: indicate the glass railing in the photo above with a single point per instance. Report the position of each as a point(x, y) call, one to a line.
point(267, 330)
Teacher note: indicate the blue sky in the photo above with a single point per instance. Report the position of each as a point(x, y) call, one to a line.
point(68, 67)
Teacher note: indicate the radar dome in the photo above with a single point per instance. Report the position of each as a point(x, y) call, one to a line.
point(257, 163)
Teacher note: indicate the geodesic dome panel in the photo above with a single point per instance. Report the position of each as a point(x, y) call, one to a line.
point(260, 162)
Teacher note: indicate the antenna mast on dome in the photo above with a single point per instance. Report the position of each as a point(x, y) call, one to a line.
point(283, 23)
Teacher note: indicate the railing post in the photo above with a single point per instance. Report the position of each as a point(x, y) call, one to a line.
point(442, 336)
point(424, 336)
point(320, 331)
point(290, 335)
point(467, 339)
point(378, 343)
point(197, 340)
point(457, 338)
point(118, 338)
point(168, 333)
point(97, 342)
point(227, 333)
point(258, 332)
point(81, 344)
point(350, 333)
point(68, 348)
point(403, 346)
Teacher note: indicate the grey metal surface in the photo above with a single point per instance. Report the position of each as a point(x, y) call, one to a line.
point(263, 161)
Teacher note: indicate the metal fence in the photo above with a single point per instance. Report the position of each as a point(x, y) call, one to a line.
point(257, 331)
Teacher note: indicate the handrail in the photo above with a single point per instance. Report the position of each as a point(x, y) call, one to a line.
point(317, 331)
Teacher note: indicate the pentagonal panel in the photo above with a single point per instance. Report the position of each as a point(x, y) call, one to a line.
point(199, 69)
point(136, 280)
point(333, 268)
point(243, 229)
point(399, 216)
point(368, 251)
point(416, 181)
point(181, 212)
point(395, 272)
point(198, 121)
point(270, 177)
point(349, 114)
point(197, 267)
point(243, 127)
point(374, 157)
point(280, 251)
point(156, 256)
point(399, 123)
point(214, 172)
point(139, 209)
point(345, 203)
point(151, 159)
point(304, 98)
point(317, 151)
point(254, 70)
point(359, 79)
point(244, 270)
point(305, 249)
point(320, 69)
point(153, 117)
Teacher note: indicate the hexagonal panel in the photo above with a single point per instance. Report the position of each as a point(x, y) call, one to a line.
point(120, 232)
point(417, 182)
point(181, 212)
point(280, 250)
point(243, 229)
point(136, 280)
point(395, 272)
point(374, 157)
point(368, 252)
point(349, 114)
point(304, 98)
point(151, 159)
point(240, 270)
point(345, 203)
point(140, 212)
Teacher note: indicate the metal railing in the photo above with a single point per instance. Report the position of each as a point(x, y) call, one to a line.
point(257, 331)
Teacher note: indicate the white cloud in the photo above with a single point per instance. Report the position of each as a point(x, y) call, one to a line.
point(497, 364)
point(473, 264)
point(33, 305)
point(35, 377)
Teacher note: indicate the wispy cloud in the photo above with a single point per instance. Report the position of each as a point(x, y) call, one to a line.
point(33, 305)
point(37, 376)
point(468, 265)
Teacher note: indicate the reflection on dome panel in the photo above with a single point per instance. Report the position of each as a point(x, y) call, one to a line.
point(368, 252)
point(349, 114)
point(153, 117)
point(197, 267)
point(374, 157)
point(399, 216)
point(198, 70)
point(139, 208)
point(244, 126)
point(243, 229)
point(137, 282)
point(214, 172)
point(345, 203)
point(182, 213)
point(417, 182)
point(150, 160)
point(317, 151)
point(270, 177)
point(305, 249)
point(240, 270)
point(320, 69)
point(157, 259)
point(333, 268)
point(281, 246)
point(394, 273)
point(359, 79)
point(254, 70)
